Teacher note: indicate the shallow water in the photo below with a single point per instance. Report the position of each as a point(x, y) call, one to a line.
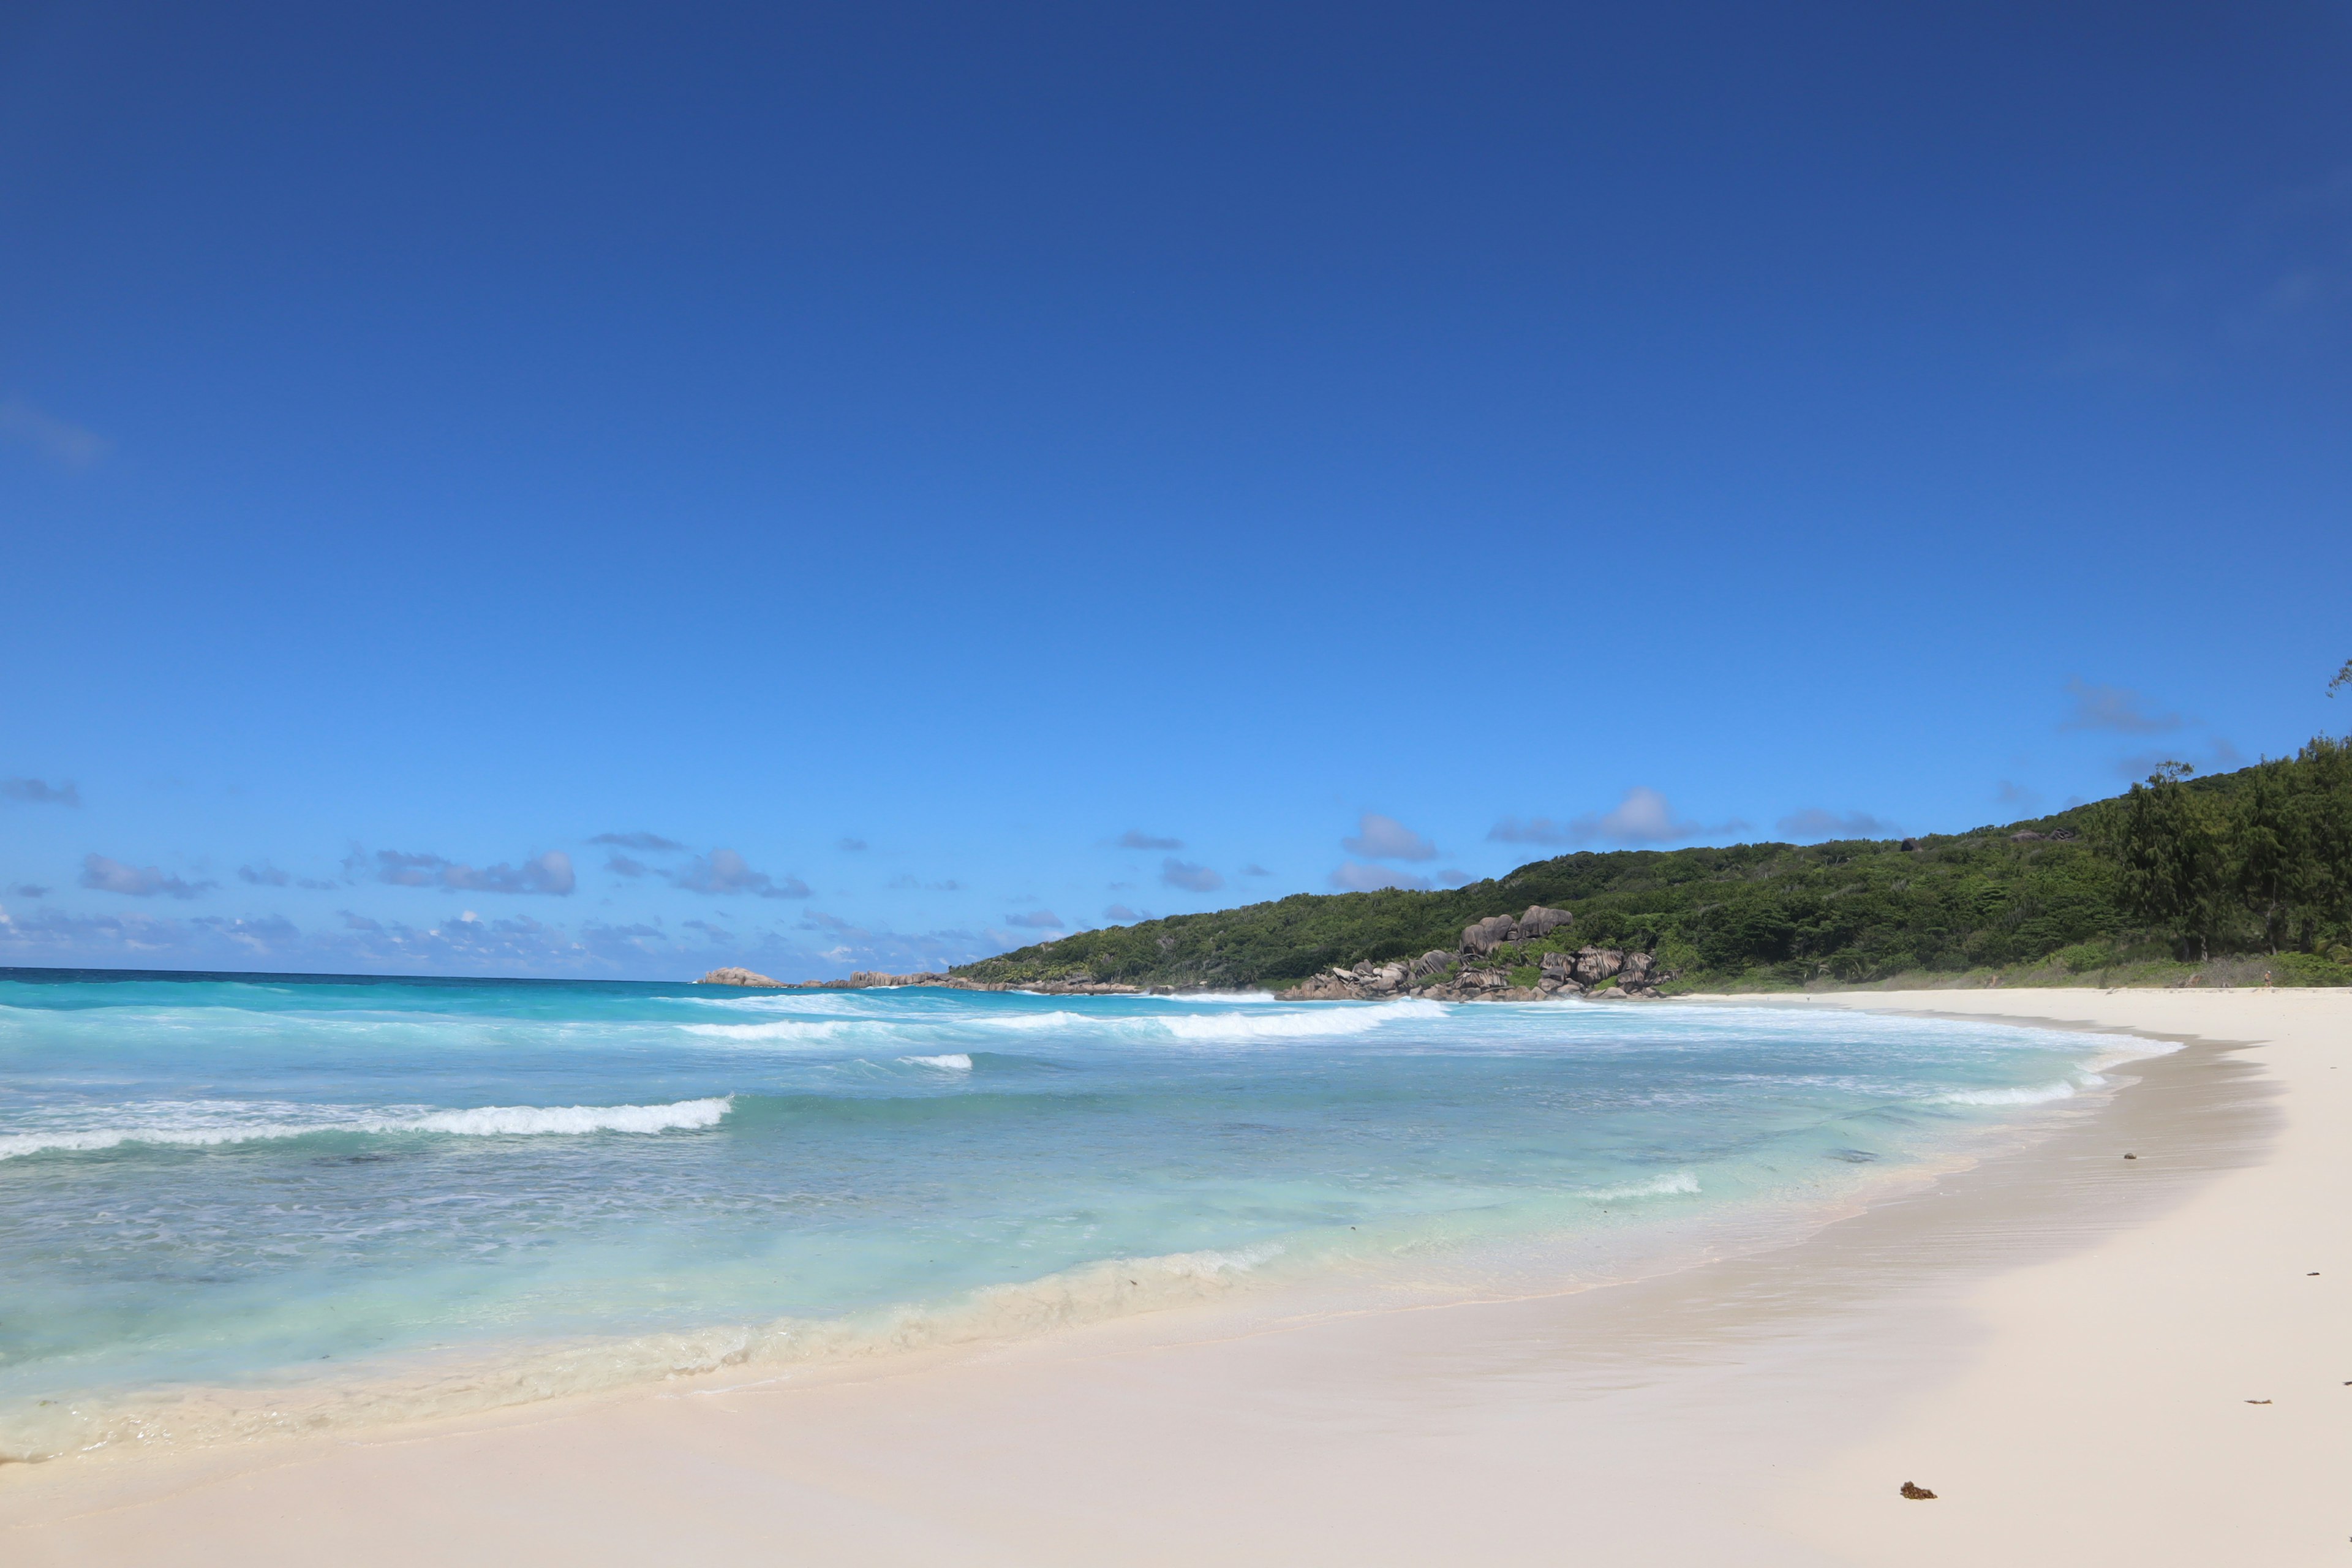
point(415, 1195)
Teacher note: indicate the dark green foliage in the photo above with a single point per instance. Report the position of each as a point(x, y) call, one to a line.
point(2254, 861)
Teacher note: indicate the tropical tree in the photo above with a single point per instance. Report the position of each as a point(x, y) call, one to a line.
point(2171, 868)
point(2270, 845)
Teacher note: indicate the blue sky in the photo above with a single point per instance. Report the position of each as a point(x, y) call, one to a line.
point(574, 489)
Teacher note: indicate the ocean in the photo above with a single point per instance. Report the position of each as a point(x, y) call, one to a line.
point(234, 1205)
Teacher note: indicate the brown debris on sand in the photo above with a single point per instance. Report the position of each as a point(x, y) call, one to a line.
point(1916, 1493)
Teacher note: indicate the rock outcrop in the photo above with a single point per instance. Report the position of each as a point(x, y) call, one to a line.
point(1480, 969)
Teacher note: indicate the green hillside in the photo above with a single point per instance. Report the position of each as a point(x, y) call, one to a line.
point(2175, 876)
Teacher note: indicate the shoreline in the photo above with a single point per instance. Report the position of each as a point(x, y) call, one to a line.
point(1505, 1430)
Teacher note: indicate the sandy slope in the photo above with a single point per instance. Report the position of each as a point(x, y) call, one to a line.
point(2107, 1418)
point(2058, 1342)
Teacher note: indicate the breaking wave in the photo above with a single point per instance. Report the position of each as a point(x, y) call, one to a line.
point(1663, 1186)
point(2028, 1094)
point(208, 1123)
point(1322, 1023)
point(774, 1029)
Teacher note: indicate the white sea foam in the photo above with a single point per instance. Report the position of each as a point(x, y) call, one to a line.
point(950, 1061)
point(208, 1123)
point(1662, 1187)
point(1057, 1019)
point(774, 1029)
point(2028, 1094)
point(1322, 1023)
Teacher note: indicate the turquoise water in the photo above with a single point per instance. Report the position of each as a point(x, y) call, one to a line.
point(217, 1193)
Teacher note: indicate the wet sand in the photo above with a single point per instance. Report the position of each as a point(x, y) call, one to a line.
point(2058, 1341)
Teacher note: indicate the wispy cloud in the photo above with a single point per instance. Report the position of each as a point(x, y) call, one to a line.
point(1815, 823)
point(851, 845)
point(1355, 877)
point(727, 873)
point(1119, 914)
point(1135, 839)
point(29, 890)
point(37, 792)
point(2116, 709)
point(1378, 837)
point(1035, 920)
point(262, 876)
point(625, 866)
point(1456, 879)
point(642, 842)
point(550, 873)
point(2220, 757)
point(1531, 830)
point(908, 883)
point(105, 875)
point(23, 425)
point(1192, 879)
point(2017, 794)
point(1255, 869)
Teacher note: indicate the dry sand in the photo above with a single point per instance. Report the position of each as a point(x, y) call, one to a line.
point(2060, 1343)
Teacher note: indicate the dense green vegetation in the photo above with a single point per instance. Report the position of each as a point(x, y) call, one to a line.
point(2176, 871)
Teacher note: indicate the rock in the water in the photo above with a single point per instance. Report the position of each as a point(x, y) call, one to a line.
point(738, 977)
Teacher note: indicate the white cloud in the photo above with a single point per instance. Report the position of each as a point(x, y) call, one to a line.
point(2115, 709)
point(1535, 830)
point(550, 873)
point(1643, 816)
point(725, 872)
point(1192, 879)
point(37, 792)
point(1381, 837)
point(644, 843)
point(109, 876)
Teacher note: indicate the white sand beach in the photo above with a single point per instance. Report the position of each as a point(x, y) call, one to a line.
point(2088, 1359)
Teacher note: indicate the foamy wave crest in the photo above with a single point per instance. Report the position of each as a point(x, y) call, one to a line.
point(2029, 1094)
point(1088, 1293)
point(208, 1123)
point(1057, 1019)
point(1322, 1023)
point(1663, 1186)
point(774, 1029)
point(539, 1120)
point(950, 1061)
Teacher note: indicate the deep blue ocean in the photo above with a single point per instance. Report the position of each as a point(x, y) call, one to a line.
point(230, 1203)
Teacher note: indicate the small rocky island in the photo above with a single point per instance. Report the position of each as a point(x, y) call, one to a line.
point(875, 980)
point(1500, 959)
